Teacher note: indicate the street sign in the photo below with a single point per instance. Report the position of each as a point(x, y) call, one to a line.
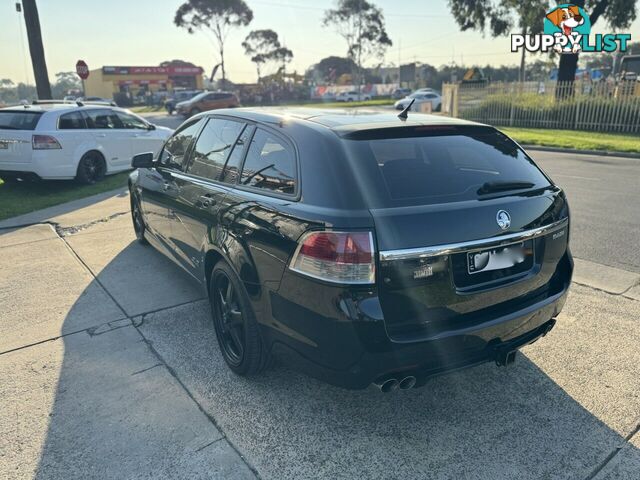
point(82, 69)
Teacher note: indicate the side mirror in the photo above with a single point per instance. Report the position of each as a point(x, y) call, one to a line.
point(151, 126)
point(143, 160)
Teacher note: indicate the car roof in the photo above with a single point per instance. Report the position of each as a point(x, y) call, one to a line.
point(58, 107)
point(342, 120)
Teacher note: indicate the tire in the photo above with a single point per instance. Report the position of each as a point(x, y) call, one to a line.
point(91, 168)
point(235, 323)
point(138, 220)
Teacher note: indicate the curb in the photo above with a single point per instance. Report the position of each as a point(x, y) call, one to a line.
point(603, 153)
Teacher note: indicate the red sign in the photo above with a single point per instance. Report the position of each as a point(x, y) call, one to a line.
point(82, 69)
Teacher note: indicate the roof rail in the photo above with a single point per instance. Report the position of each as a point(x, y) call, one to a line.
point(48, 102)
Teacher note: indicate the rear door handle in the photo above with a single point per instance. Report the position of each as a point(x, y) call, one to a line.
point(206, 201)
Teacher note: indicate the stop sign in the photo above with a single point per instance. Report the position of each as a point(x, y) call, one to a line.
point(82, 69)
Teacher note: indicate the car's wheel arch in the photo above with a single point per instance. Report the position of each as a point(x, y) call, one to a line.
point(241, 262)
point(98, 152)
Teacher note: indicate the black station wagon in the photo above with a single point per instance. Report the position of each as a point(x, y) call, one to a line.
point(359, 247)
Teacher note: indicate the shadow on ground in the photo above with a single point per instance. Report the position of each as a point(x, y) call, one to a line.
point(113, 415)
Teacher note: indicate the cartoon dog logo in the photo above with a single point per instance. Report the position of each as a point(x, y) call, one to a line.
point(566, 18)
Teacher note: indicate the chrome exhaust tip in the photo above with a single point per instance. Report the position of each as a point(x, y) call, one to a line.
point(388, 385)
point(407, 382)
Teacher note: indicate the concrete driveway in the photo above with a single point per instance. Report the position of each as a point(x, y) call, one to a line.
point(110, 369)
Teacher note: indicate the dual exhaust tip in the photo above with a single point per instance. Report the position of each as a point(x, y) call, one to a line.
point(392, 384)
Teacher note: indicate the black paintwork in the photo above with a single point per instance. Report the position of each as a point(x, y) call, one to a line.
point(355, 335)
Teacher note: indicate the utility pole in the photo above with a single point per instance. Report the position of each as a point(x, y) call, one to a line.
point(36, 49)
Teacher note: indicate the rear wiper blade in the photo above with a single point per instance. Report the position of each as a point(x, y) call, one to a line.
point(503, 186)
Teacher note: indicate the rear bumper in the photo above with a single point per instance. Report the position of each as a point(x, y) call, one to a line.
point(428, 357)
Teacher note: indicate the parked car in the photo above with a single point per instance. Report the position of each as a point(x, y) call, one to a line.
point(420, 98)
point(207, 101)
point(177, 97)
point(65, 141)
point(358, 247)
point(399, 93)
point(352, 96)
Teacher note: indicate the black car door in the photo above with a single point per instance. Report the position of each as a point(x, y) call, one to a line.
point(213, 164)
point(159, 189)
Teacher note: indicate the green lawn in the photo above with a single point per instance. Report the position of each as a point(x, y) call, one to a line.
point(25, 197)
point(615, 142)
point(147, 109)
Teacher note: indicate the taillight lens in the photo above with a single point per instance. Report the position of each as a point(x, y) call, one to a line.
point(44, 142)
point(340, 257)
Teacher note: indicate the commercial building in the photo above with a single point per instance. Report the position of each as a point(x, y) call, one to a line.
point(110, 81)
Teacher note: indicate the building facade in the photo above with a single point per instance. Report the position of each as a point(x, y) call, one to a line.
point(136, 81)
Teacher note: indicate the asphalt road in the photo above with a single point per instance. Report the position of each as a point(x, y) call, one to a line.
point(604, 195)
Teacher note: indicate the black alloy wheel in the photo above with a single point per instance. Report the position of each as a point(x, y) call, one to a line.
point(91, 168)
point(235, 323)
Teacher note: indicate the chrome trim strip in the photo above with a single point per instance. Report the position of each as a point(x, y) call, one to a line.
point(449, 249)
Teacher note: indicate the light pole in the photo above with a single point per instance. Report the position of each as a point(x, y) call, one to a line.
point(34, 35)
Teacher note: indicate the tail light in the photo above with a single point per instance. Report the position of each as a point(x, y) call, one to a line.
point(339, 257)
point(44, 142)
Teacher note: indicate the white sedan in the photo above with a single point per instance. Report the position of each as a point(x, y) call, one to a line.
point(420, 98)
point(352, 96)
point(57, 141)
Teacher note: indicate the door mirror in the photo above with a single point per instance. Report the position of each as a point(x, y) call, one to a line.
point(143, 160)
point(151, 126)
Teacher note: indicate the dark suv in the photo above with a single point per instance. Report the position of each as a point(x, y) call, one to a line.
point(359, 247)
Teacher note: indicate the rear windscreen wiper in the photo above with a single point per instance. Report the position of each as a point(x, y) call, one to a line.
point(503, 186)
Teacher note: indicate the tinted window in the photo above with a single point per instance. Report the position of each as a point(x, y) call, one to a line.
point(213, 147)
point(232, 168)
point(270, 164)
point(12, 120)
point(132, 122)
point(103, 119)
point(174, 150)
point(71, 121)
point(443, 164)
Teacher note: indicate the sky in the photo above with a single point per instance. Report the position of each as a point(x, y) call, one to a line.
point(141, 32)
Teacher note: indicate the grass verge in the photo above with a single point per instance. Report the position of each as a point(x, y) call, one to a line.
point(147, 109)
point(614, 142)
point(25, 197)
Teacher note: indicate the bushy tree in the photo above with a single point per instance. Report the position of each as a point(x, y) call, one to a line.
point(65, 81)
point(362, 26)
point(218, 16)
point(264, 47)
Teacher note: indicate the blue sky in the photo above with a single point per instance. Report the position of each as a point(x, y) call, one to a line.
point(141, 32)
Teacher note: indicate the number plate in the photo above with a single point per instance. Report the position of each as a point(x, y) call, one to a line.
point(498, 258)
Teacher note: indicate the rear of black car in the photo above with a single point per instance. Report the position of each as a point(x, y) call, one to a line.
point(470, 255)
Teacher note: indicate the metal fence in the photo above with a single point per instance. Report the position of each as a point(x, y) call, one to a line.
point(581, 105)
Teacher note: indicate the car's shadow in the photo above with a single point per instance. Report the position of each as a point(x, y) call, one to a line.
point(481, 423)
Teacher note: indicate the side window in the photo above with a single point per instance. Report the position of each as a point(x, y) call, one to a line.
point(103, 119)
point(213, 147)
point(270, 164)
point(231, 170)
point(131, 121)
point(176, 147)
point(71, 121)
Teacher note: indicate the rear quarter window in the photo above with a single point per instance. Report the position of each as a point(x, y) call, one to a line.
point(19, 120)
point(427, 165)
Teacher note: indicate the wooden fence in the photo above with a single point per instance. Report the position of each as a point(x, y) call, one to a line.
point(582, 105)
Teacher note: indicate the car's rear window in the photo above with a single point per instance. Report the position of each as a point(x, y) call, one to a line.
point(428, 165)
point(19, 120)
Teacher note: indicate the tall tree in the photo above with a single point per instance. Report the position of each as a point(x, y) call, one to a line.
point(32, 21)
point(264, 47)
point(362, 25)
point(65, 82)
point(501, 17)
point(218, 16)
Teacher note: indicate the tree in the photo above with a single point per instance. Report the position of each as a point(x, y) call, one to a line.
point(361, 24)
point(65, 81)
point(218, 16)
point(500, 16)
point(264, 47)
point(6, 83)
point(330, 68)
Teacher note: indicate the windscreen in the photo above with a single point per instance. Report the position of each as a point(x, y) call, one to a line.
point(427, 165)
point(18, 120)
